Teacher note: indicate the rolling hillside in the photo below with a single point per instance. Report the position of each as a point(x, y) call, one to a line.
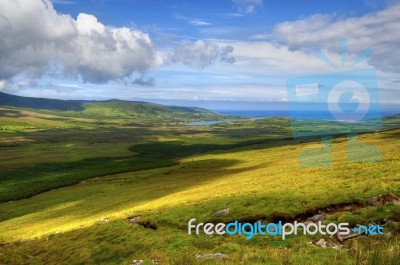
point(81, 105)
point(20, 113)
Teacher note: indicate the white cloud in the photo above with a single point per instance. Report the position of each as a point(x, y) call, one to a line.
point(36, 40)
point(378, 31)
point(248, 6)
point(199, 22)
point(266, 58)
point(201, 54)
point(101, 54)
point(35, 35)
point(192, 21)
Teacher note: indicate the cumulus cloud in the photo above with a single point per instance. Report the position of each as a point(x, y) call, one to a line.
point(201, 54)
point(36, 40)
point(102, 53)
point(34, 36)
point(377, 31)
point(247, 6)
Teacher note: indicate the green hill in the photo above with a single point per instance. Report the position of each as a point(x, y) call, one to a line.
point(39, 103)
point(81, 105)
point(25, 113)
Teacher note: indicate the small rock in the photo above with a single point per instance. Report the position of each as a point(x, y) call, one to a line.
point(155, 262)
point(104, 220)
point(307, 222)
point(375, 201)
point(388, 235)
point(137, 262)
point(134, 220)
point(321, 243)
point(384, 198)
point(350, 236)
point(347, 208)
point(216, 256)
point(221, 213)
point(318, 217)
point(337, 247)
point(57, 232)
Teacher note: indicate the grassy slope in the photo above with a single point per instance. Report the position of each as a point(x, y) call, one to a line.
point(18, 114)
point(254, 181)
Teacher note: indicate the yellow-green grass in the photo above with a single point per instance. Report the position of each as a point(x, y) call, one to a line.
point(254, 181)
point(34, 162)
point(14, 120)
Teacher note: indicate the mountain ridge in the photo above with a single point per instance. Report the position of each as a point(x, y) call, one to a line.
point(81, 105)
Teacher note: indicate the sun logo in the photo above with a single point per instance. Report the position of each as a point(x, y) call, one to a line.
point(347, 100)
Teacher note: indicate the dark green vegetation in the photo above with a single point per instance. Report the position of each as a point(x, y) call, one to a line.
point(106, 170)
point(39, 103)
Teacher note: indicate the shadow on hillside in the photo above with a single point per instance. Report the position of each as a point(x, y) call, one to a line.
point(119, 193)
point(11, 113)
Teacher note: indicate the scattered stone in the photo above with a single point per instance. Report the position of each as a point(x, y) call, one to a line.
point(57, 232)
point(155, 262)
point(318, 217)
point(221, 213)
point(321, 243)
point(374, 201)
point(324, 244)
point(134, 220)
point(104, 220)
point(384, 198)
point(137, 262)
point(216, 256)
point(347, 208)
point(307, 222)
point(388, 235)
point(342, 238)
point(337, 247)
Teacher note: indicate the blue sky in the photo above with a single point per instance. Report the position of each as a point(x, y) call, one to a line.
point(186, 20)
point(190, 51)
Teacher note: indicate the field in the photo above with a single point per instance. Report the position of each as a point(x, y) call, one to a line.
point(70, 181)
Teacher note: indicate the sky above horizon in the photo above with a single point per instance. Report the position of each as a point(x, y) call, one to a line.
point(228, 50)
